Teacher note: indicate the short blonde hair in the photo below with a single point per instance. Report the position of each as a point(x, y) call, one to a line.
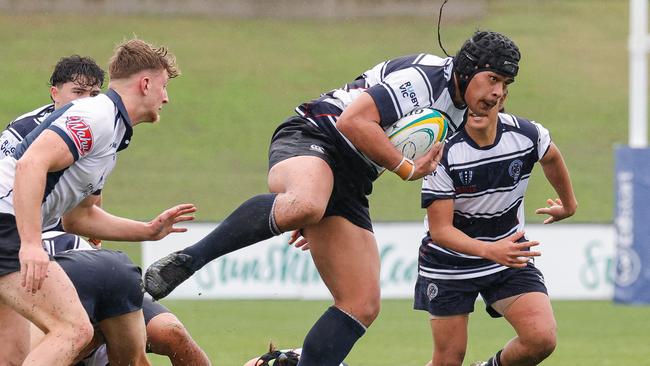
point(135, 55)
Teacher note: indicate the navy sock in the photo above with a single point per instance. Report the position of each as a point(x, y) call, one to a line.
point(330, 340)
point(250, 223)
point(496, 360)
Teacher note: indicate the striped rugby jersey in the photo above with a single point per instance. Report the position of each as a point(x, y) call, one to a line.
point(487, 185)
point(17, 130)
point(94, 129)
point(398, 87)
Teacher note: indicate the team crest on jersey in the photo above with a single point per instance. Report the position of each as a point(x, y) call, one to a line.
point(432, 291)
point(466, 177)
point(81, 133)
point(515, 169)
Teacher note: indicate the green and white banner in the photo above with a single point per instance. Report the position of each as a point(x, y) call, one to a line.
point(577, 262)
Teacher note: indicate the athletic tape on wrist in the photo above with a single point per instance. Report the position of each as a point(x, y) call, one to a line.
point(405, 169)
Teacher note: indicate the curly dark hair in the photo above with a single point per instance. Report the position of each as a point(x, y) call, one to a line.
point(78, 69)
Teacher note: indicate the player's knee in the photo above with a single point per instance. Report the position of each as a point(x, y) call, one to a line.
point(541, 346)
point(77, 333)
point(301, 212)
point(166, 334)
point(449, 356)
point(545, 345)
point(367, 311)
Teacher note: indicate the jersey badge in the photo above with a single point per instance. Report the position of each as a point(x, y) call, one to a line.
point(466, 176)
point(515, 169)
point(81, 134)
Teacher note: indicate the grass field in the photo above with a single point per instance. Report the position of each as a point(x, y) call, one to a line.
point(589, 332)
point(242, 77)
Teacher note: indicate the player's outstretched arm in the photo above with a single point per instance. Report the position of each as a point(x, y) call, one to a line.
point(507, 251)
point(557, 174)
point(88, 219)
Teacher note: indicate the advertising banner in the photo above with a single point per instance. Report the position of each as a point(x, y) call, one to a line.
point(577, 262)
point(632, 224)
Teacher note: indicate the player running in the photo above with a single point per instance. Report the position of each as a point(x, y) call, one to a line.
point(476, 244)
point(75, 77)
point(52, 174)
point(321, 172)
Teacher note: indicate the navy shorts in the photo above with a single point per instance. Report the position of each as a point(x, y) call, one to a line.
point(299, 137)
point(9, 245)
point(455, 297)
point(107, 282)
point(151, 309)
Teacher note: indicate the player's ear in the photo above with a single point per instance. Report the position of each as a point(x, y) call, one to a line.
point(145, 83)
point(54, 92)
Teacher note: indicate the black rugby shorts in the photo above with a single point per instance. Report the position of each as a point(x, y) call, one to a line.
point(455, 297)
point(107, 282)
point(299, 137)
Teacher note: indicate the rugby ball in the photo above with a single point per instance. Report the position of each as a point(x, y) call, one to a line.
point(414, 134)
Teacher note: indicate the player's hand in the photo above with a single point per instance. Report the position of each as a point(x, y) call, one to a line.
point(298, 240)
point(555, 210)
point(33, 266)
point(427, 163)
point(510, 253)
point(163, 225)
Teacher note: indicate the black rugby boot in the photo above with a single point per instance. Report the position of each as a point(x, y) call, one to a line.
point(165, 274)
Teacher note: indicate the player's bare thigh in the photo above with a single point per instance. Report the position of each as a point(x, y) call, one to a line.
point(347, 259)
point(55, 308)
point(304, 184)
point(14, 339)
point(528, 313)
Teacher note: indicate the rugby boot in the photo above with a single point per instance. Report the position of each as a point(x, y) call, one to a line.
point(165, 274)
point(479, 363)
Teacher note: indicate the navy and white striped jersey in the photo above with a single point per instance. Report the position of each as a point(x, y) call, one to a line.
point(398, 87)
point(17, 130)
point(487, 185)
point(94, 129)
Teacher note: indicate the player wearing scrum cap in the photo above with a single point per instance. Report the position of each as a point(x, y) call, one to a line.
point(321, 174)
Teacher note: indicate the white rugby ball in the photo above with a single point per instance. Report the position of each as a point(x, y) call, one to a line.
point(414, 134)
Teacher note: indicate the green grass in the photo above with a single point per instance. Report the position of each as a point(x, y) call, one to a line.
point(243, 77)
point(589, 332)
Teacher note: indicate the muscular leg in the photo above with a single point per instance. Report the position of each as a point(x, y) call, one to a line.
point(449, 340)
point(126, 339)
point(532, 318)
point(301, 188)
point(167, 336)
point(15, 338)
point(56, 310)
point(347, 259)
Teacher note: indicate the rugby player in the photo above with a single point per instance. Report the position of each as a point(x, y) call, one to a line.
point(322, 164)
point(475, 242)
point(52, 174)
point(75, 77)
